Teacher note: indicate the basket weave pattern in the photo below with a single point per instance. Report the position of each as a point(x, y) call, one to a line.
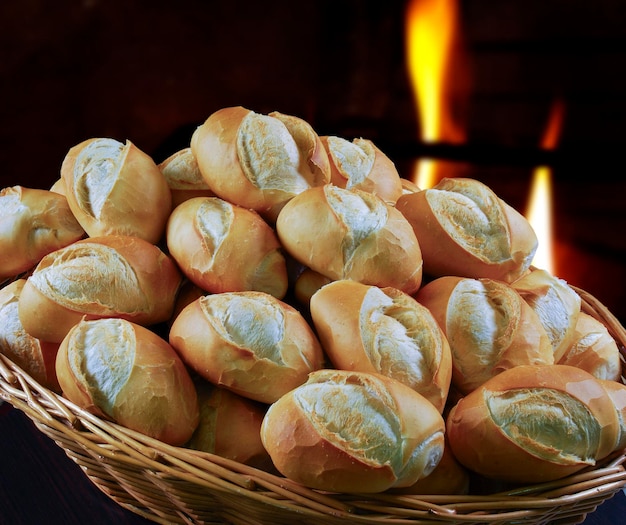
point(170, 485)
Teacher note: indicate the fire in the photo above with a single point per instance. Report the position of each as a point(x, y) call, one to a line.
point(539, 211)
point(432, 31)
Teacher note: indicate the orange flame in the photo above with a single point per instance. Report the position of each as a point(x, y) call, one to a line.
point(539, 211)
point(432, 29)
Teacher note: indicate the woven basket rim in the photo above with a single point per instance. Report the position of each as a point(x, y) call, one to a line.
point(162, 482)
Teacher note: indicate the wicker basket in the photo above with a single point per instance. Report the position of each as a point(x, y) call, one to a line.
point(176, 485)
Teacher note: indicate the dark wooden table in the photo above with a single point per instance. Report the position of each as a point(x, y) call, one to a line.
point(40, 485)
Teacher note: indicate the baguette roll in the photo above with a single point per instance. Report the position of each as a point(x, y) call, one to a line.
point(353, 432)
point(116, 189)
point(534, 423)
point(109, 276)
point(33, 223)
point(351, 234)
point(306, 284)
point(183, 177)
point(556, 304)
point(617, 393)
point(593, 349)
point(383, 330)
point(222, 247)
point(465, 229)
point(361, 165)
point(488, 325)
point(126, 373)
point(35, 357)
point(448, 477)
point(248, 342)
point(229, 426)
point(259, 161)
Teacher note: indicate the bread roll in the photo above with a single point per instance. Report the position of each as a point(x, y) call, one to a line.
point(448, 477)
point(259, 161)
point(33, 223)
point(230, 426)
point(617, 393)
point(306, 284)
point(351, 234)
point(35, 357)
point(183, 177)
point(556, 304)
point(109, 276)
point(534, 423)
point(360, 164)
point(116, 189)
point(465, 229)
point(383, 330)
point(225, 248)
point(248, 342)
point(489, 327)
point(353, 432)
point(124, 372)
point(593, 349)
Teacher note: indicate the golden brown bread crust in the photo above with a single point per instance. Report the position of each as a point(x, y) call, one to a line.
point(126, 373)
point(593, 349)
point(533, 423)
point(617, 393)
point(556, 304)
point(259, 161)
point(229, 426)
point(222, 247)
point(109, 276)
point(36, 357)
point(116, 189)
point(488, 325)
point(351, 234)
point(353, 432)
point(362, 165)
point(465, 229)
point(183, 176)
point(383, 330)
point(248, 342)
point(33, 223)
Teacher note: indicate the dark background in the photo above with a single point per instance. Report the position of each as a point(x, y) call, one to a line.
point(150, 71)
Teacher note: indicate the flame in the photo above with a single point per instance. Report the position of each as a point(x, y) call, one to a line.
point(539, 212)
point(432, 30)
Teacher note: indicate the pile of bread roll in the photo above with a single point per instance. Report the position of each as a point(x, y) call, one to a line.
point(287, 300)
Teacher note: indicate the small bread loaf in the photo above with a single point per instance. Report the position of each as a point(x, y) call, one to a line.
point(593, 349)
point(555, 302)
point(617, 393)
point(33, 223)
point(183, 177)
point(35, 357)
point(383, 330)
point(126, 373)
point(306, 284)
point(449, 477)
point(222, 247)
point(230, 426)
point(489, 327)
point(259, 161)
point(110, 276)
point(249, 342)
point(534, 423)
point(116, 189)
point(465, 229)
point(360, 164)
point(351, 234)
point(353, 432)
